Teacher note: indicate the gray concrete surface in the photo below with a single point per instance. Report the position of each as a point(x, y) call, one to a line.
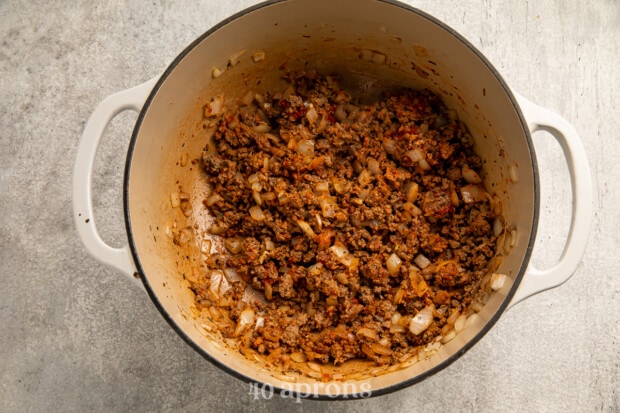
point(76, 336)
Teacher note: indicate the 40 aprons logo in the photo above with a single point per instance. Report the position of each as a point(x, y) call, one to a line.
point(301, 391)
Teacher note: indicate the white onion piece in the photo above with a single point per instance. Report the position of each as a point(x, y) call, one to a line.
point(393, 264)
point(364, 178)
point(246, 318)
point(411, 191)
point(471, 320)
point(415, 155)
point(321, 187)
point(257, 197)
point(328, 206)
point(367, 332)
point(231, 274)
point(175, 199)
point(254, 178)
point(306, 228)
point(215, 107)
point(423, 164)
point(497, 281)
point(269, 245)
point(257, 213)
point(306, 148)
point(412, 209)
point(312, 115)
point(388, 146)
point(213, 199)
point(459, 324)
point(498, 226)
point(340, 113)
point(421, 261)
point(472, 193)
point(217, 281)
point(234, 245)
point(422, 320)
point(262, 128)
point(470, 175)
point(205, 246)
point(247, 99)
point(448, 337)
point(339, 250)
point(260, 322)
point(373, 166)
point(251, 295)
point(512, 173)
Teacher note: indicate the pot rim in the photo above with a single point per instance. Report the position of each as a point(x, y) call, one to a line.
point(405, 383)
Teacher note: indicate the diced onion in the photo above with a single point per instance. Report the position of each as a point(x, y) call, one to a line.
point(175, 199)
point(257, 213)
point(247, 99)
point(373, 166)
point(216, 106)
point(306, 148)
point(306, 228)
point(471, 320)
point(388, 146)
point(258, 56)
point(367, 332)
point(257, 197)
point(262, 128)
point(459, 324)
point(497, 281)
point(393, 264)
point(321, 187)
point(339, 250)
point(214, 198)
point(205, 246)
point(411, 191)
point(424, 165)
point(470, 175)
point(253, 179)
point(246, 318)
point(364, 178)
point(421, 261)
point(415, 155)
point(328, 206)
point(472, 193)
point(234, 245)
point(422, 320)
point(298, 357)
point(312, 115)
point(512, 173)
point(498, 226)
point(380, 348)
point(268, 196)
point(218, 228)
point(412, 209)
point(217, 276)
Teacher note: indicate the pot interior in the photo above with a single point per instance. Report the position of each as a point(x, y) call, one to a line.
point(374, 46)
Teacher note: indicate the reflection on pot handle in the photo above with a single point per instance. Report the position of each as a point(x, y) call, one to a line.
point(536, 280)
point(116, 258)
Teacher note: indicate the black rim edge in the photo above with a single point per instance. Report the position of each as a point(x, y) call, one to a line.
point(405, 383)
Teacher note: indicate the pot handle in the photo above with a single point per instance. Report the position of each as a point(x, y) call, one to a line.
point(116, 258)
point(536, 280)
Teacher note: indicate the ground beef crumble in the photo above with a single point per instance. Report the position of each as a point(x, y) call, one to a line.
point(316, 193)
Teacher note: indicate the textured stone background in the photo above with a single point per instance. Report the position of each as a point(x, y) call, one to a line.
point(78, 337)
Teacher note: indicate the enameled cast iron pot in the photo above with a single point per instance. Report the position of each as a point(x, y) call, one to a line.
point(374, 45)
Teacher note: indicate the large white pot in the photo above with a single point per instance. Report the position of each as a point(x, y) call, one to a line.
point(374, 45)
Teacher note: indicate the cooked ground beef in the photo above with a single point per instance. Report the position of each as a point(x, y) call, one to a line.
point(319, 194)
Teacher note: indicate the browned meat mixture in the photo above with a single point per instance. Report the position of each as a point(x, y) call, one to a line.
point(365, 229)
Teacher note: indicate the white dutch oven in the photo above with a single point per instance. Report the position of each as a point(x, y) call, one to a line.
point(374, 45)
